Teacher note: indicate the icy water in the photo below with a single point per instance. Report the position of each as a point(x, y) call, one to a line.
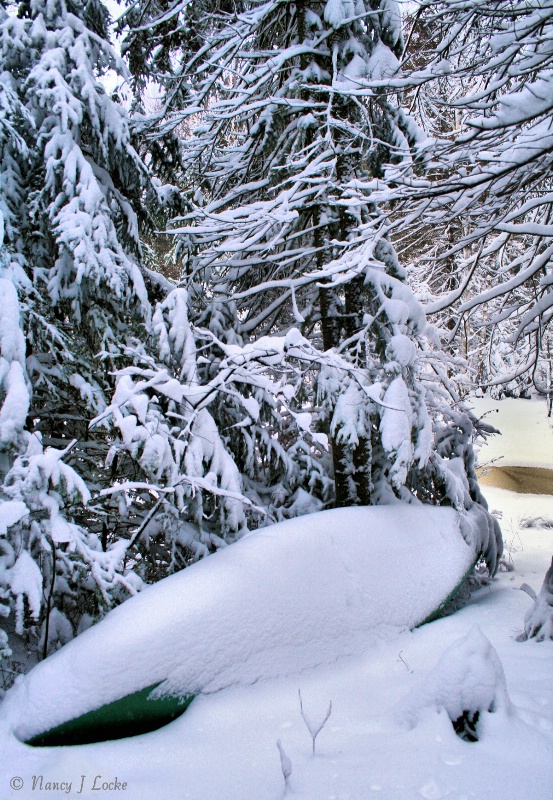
point(524, 480)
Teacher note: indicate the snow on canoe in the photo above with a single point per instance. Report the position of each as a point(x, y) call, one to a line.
point(281, 600)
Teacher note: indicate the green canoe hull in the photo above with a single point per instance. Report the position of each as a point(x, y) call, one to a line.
point(129, 716)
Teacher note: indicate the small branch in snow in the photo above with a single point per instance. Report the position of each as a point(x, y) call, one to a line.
point(285, 764)
point(49, 602)
point(529, 591)
point(403, 661)
point(538, 623)
point(314, 728)
point(145, 523)
point(195, 482)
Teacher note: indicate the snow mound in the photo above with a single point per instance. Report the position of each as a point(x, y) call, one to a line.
point(467, 682)
point(538, 622)
point(281, 600)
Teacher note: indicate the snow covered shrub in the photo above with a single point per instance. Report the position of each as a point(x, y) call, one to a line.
point(468, 682)
point(164, 424)
point(538, 622)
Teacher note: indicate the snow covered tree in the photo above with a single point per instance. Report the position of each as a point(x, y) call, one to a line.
point(293, 143)
point(78, 312)
point(491, 175)
point(72, 189)
point(144, 424)
point(278, 167)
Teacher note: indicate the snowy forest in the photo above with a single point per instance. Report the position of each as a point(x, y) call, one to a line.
point(255, 256)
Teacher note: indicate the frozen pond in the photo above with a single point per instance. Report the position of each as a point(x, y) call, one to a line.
point(524, 480)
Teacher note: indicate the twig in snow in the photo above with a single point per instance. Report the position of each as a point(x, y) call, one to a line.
point(400, 658)
point(313, 728)
point(529, 591)
point(285, 764)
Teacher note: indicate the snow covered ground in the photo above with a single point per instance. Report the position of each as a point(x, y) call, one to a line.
point(389, 735)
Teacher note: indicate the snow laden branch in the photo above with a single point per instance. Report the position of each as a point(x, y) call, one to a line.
point(486, 92)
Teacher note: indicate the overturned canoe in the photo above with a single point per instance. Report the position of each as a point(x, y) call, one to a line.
point(283, 599)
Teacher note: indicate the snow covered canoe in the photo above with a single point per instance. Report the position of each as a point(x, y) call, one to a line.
point(283, 599)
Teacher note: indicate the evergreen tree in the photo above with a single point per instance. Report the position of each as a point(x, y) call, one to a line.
point(293, 145)
point(78, 312)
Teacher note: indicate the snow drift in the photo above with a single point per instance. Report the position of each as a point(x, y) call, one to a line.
point(468, 682)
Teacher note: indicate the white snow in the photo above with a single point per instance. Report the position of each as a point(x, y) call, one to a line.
point(396, 415)
point(14, 393)
point(11, 511)
point(538, 621)
point(225, 745)
point(402, 349)
point(334, 13)
point(395, 426)
point(12, 343)
point(353, 75)
point(25, 580)
point(382, 63)
point(15, 407)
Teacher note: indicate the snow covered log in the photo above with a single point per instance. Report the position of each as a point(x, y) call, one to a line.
point(283, 599)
